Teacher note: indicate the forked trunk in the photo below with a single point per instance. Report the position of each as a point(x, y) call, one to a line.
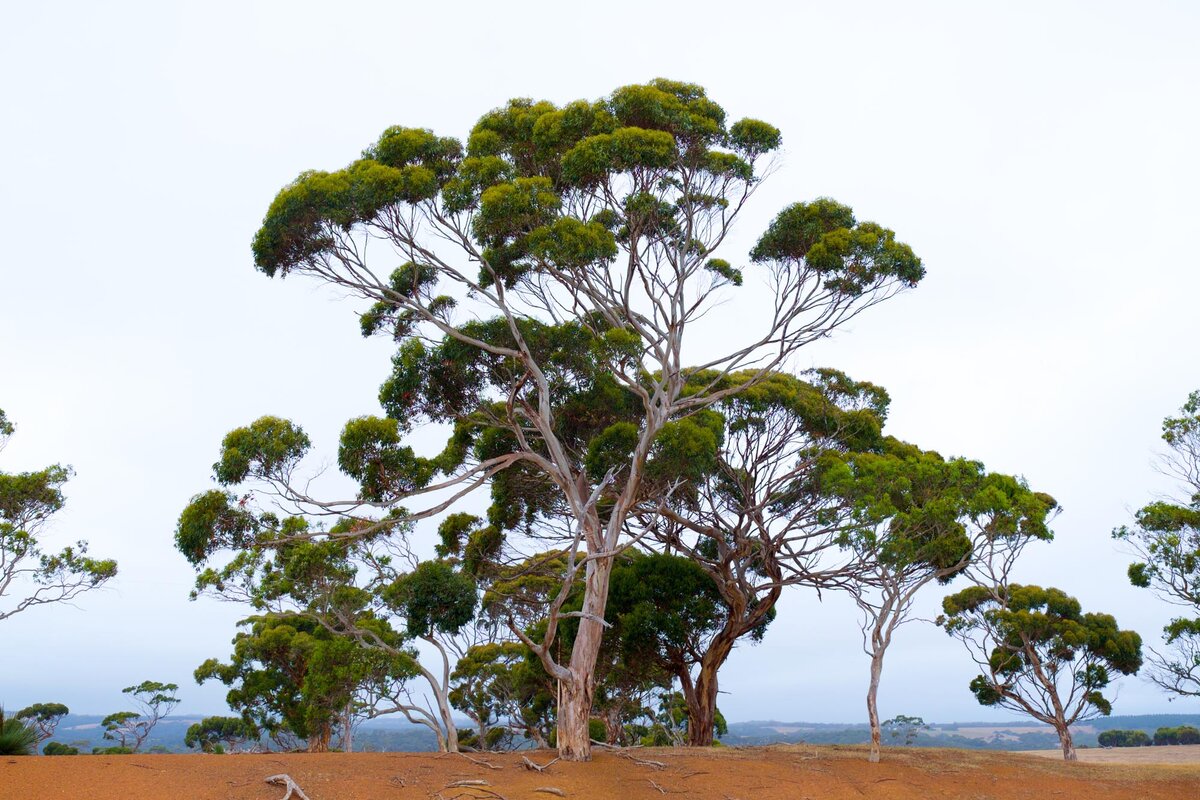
point(873, 706)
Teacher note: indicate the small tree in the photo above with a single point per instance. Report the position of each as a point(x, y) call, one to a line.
point(27, 501)
point(1040, 654)
point(44, 717)
point(1118, 738)
point(218, 734)
point(1182, 734)
point(132, 728)
point(920, 519)
point(905, 729)
point(369, 592)
point(666, 612)
point(751, 513)
point(293, 680)
point(1166, 540)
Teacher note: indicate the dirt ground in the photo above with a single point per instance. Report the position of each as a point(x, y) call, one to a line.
point(794, 772)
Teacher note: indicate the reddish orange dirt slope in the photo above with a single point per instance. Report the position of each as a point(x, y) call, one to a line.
point(793, 772)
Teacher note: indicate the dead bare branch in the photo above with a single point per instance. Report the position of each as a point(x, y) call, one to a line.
point(530, 765)
point(480, 762)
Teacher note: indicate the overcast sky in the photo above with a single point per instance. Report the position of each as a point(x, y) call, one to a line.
point(1040, 157)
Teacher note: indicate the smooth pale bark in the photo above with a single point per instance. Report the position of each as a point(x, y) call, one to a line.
point(451, 731)
point(578, 689)
point(873, 705)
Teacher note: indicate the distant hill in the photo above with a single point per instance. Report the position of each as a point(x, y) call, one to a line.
point(398, 735)
point(1022, 735)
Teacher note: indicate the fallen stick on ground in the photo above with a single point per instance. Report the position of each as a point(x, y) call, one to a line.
point(532, 765)
point(480, 761)
point(551, 790)
point(474, 788)
point(645, 762)
point(460, 784)
point(292, 786)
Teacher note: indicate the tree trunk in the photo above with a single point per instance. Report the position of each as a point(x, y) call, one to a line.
point(701, 696)
point(441, 738)
point(1068, 743)
point(702, 705)
point(703, 715)
point(577, 691)
point(613, 732)
point(448, 724)
point(574, 712)
point(873, 706)
point(319, 741)
point(348, 729)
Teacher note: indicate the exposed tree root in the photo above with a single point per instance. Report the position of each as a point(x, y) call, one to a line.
point(534, 766)
point(291, 785)
point(645, 762)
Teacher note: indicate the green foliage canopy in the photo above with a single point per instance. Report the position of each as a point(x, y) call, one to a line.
point(27, 502)
point(1165, 537)
point(1044, 656)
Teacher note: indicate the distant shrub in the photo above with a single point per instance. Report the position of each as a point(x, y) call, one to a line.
point(112, 751)
point(17, 737)
point(1183, 734)
point(1118, 738)
point(60, 749)
point(217, 734)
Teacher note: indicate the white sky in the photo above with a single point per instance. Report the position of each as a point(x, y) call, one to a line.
point(1041, 158)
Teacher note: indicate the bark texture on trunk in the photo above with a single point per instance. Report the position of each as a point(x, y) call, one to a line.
point(701, 694)
point(319, 741)
point(702, 705)
point(574, 712)
point(873, 707)
point(577, 692)
point(1068, 743)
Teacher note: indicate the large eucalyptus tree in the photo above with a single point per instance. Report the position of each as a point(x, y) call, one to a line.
point(544, 283)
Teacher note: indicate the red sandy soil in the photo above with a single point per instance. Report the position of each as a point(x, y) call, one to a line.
point(794, 772)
